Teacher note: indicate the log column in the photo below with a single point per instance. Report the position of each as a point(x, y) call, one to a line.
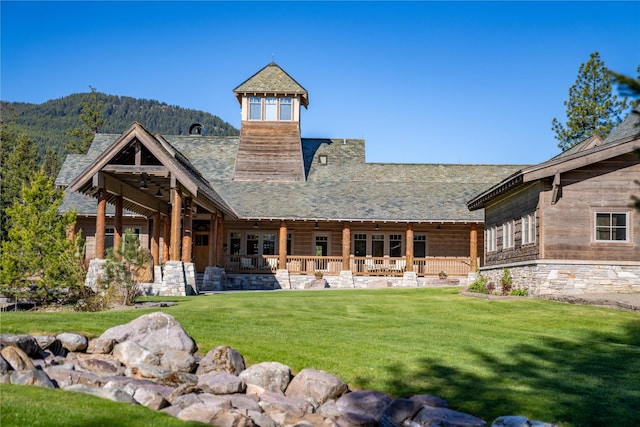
point(187, 229)
point(346, 246)
point(220, 241)
point(282, 246)
point(176, 211)
point(100, 223)
point(409, 247)
point(117, 230)
point(213, 240)
point(473, 247)
point(155, 239)
point(166, 237)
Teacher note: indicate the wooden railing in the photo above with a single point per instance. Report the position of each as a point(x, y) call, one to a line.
point(363, 266)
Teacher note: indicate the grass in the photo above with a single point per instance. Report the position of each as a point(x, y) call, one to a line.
point(573, 365)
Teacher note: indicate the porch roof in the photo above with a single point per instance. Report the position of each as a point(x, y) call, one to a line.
point(346, 188)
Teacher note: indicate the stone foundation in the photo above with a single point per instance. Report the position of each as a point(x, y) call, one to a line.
point(569, 278)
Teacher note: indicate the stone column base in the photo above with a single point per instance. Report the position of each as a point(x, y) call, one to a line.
point(409, 279)
point(346, 279)
point(96, 267)
point(282, 279)
point(178, 280)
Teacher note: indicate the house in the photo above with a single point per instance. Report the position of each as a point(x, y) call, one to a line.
point(568, 225)
point(270, 208)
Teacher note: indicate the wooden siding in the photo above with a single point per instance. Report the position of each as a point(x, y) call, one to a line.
point(565, 226)
point(269, 151)
point(511, 207)
point(607, 186)
point(87, 226)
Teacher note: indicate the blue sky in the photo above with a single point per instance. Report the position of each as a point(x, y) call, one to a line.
point(422, 82)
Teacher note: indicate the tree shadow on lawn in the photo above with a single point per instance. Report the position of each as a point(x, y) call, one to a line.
point(593, 382)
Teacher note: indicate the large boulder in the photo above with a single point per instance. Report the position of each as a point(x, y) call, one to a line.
point(156, 332)
point(221, 359)
point(271, 376)
point(316, 386)
point(132, 354)
point(110, 393)
point(430, 416)
point(17, 359)
point(178, 361)
point(26, 343)
point(221, 383)
point(365, 402)
point(73, 342)
point(65, 377)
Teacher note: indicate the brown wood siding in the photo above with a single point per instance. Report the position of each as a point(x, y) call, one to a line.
point(511, 207)
point(88, 228)
point(269, 151)
point(607, 186)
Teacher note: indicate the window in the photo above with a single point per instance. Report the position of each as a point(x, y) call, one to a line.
point(253, 244)
point(285, 109)
point(322, 245)
point(395, 245)
point(255, 108)
point(377, 244)
point(491, 239)
point(289, 243)
point(236, 239)
point(270, 109)
point(528, 229)
point(611, 226)
point(360, 244)
point(109, 233)
point(268, 244)
point(202, 240)
point(419, 245)
point(507, 235)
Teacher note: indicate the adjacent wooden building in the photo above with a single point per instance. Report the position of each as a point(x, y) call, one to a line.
point(569, 225)
point(269, 209)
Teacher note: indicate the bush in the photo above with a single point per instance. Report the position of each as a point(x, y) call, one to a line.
point(506, 282)
point(479, 285)
point(518, 292)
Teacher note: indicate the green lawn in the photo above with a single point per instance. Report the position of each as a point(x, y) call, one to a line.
point(574, 365)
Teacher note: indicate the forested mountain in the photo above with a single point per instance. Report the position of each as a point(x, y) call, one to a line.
point(46, 124)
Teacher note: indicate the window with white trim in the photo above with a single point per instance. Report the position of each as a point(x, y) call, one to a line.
point(528, 229)
point(109, 235)
point(419, 245)
point(255, 108)
point(507, 235)
point(270, 108)
point(395, 245)
point(322, 245)
point(491, 239)
point(360, 244)
point(286, 109)
point(611, 226)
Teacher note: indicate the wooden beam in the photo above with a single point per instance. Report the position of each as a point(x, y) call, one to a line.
point(176, 213)
point(346, 246)
point(282, 246)
point(155, 170)
point(213, 238)
point(166, 238)
point(100, 223)
point(117, 230)
point(115, 186)
point(187, 229)
point(155, 239)
point(409, 247)
point(473, 247)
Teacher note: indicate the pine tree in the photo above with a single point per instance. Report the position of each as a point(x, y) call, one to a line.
point(592, 107)
point(50, 163)
point(91, 116)
point(628, 86)
point(18, 160)
point(39, 262)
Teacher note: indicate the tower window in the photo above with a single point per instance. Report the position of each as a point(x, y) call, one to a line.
point(285, 109)
point(255, 108)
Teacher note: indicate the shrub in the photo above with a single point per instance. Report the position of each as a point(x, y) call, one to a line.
point(479, 285)
point(506, 281)
point(519, 292)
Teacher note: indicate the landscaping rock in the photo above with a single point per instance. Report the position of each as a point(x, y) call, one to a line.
point(221, 359)
point(73, 342)
point(272, 376)
point(156, 332)
point(222, 391)
point(316, 386)
point(32, 377)
point(131, 354)
point(26, 343)
point(178, 360)
point(221, 383)
point(17, 359)
point(101, 345)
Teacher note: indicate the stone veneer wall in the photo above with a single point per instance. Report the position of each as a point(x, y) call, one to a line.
point(569, 277)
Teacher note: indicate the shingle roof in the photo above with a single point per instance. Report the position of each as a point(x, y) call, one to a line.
point(272, 80)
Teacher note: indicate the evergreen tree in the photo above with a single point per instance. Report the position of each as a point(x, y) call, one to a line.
point(38, 261)
point(628, 86)
point(592, 107)
point(18, 160)
point(50, 163)
point(91, 116)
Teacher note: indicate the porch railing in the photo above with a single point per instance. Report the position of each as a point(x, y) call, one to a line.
point(363, 266)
